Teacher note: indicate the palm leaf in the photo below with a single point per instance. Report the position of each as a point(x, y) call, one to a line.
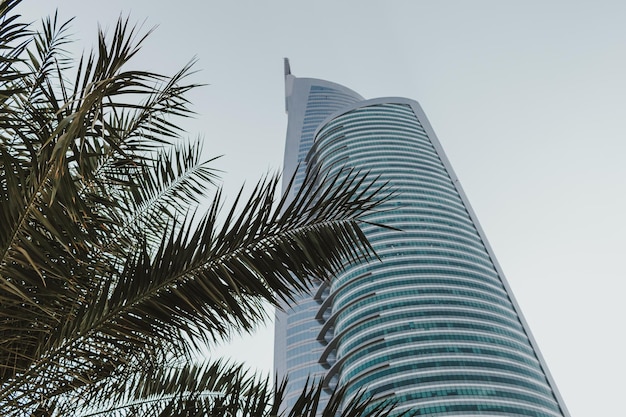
point(106, 272)
point(222, 389)
point(208, 281)
point(54, 192)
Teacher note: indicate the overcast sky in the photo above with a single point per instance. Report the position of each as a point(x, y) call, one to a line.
point(527, 98)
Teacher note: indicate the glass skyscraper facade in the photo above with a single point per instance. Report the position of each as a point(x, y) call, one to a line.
point(433, 324)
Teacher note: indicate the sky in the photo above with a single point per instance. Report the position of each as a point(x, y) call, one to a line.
point(527, 99)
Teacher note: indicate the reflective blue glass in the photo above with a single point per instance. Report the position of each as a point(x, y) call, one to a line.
point(431, 323)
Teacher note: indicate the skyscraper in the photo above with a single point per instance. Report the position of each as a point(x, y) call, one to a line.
point(433, 324)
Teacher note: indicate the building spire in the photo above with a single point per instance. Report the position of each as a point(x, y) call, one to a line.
point(288, 83)
point(287, 67)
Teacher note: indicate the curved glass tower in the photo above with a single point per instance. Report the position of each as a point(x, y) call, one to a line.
point(433, 325)
point(308, 102)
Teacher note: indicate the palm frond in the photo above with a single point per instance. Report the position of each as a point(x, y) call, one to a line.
point(310, 403)
point(174, 390)
point(170, 185)
point(54, 193)
point(207, 281)
point(212, 276)
point(106, 272)
point(222, 389)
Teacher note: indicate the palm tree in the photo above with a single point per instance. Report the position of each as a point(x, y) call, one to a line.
point(111, 276)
